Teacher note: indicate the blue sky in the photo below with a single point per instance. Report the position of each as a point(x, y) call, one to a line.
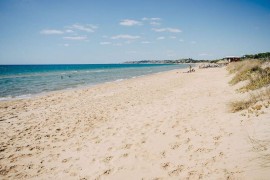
point(112, 31)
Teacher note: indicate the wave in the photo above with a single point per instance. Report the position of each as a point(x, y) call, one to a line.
point(118, 80)
point(95, 71)
point(68, 79)
point(49, 74)
point(8, 98)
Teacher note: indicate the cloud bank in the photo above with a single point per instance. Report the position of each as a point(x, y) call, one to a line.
point(51, 32)
point(130, 22)
point(172, 30)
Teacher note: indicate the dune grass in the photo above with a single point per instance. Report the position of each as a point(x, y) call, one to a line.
point(257, 78)
point(241, 66)
point(263, 97)
point(251, 71)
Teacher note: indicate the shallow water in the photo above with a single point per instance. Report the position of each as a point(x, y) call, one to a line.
point(26, 80)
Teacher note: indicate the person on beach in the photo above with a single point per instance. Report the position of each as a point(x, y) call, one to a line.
point(190, 70)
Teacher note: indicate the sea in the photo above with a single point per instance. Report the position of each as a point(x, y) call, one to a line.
point(24, 81)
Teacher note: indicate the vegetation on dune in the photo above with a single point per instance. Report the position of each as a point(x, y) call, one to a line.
point(252, 101)
point(256, 72)
point(252, 71)
point(243, 70)
point(257, 77)
point(260, 78)
point(265, 56)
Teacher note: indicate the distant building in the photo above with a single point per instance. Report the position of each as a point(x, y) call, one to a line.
point(232, 58)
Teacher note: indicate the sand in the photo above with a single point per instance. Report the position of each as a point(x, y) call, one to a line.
point(170, 125)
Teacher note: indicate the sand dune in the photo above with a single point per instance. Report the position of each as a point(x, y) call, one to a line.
point(170, 125)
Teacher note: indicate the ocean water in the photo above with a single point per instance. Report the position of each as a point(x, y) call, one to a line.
point(20, 81)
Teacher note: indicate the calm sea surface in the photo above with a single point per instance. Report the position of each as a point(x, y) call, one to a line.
point(20, 81)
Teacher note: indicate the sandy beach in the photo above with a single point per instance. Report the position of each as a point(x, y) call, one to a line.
point(171, 125)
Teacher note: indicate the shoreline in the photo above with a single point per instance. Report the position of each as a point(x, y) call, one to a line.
point(86, 86)
point(168, 125)
point(83, 86)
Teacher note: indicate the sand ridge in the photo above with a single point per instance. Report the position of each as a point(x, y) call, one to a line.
point(169, 125)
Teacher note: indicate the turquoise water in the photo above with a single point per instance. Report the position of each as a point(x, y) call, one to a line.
point(18, 81)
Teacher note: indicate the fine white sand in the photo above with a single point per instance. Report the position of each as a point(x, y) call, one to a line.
point(170, 125)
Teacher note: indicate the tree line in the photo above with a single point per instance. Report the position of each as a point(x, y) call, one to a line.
point(265, 56)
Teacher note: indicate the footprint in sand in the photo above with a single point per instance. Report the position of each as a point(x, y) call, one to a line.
point(84, 178)
point(200, 150)
point(125, 155)
point(107, 172)
point(176, 171)
point(163, 154)
point(175, 145)
point(128, 146)
point(221, 154)
point(190, 147)
point(107, 159)
point(157, 178)
point(194, 175)
point(66, 160)
point(216, 138)
point(166, 165)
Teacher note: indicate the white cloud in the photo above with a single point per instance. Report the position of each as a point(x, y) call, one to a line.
point(105, 43)
point(86, 28)
point(130, 22)
point(69, 31)
point(172, 30)
point(151, 19)
point(51, 31)
point(125, 36)
point(66, 45)
point(145, 42)
point(155, 19)
point(193, 42)
point(181, 40)
point(78, 38)
point(172, 37)
point(161, 38)
point(153, 23)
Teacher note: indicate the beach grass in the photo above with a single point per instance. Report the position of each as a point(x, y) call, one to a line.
point(257, 77)
point(262, 97)
point(242, 66)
